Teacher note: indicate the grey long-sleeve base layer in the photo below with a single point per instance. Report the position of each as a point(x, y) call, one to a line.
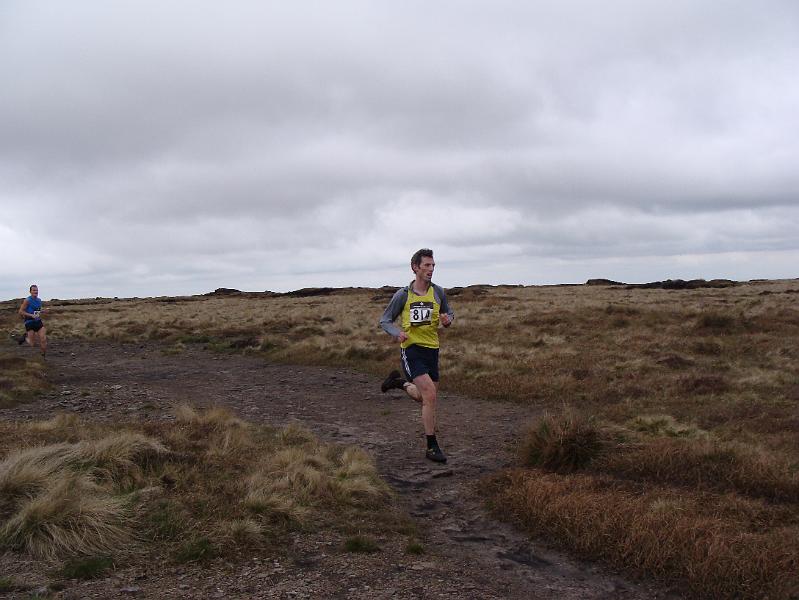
point(397, 303)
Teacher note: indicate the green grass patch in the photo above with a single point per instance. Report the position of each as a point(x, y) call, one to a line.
point(219, 346)
point(90, 567)
point(414, 548)
point(7, 585)
point(175, 349)
point(165, 521)
point(197, 549)
point(361, 544)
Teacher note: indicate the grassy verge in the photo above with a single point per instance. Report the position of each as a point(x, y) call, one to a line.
point(206, 485)
point(21, 378)
point(721, 519)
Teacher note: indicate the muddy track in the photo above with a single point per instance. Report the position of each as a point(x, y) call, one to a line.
point(468, 553)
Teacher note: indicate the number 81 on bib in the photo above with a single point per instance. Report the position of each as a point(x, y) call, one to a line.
point(421, 313)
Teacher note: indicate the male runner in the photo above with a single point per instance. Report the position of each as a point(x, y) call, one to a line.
point(31, 311)
point(422, 305)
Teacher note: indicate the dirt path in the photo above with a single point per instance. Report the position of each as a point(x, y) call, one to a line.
point(468, 554)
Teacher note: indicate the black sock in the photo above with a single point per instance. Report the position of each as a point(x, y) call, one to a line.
point(432, 442)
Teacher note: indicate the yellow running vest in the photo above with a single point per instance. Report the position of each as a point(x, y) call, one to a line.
point(420, 319)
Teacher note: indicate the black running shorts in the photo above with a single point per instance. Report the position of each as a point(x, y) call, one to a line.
point(418, 360)
point(34, 325)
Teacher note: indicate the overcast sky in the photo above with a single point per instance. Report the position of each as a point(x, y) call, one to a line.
point(174, 147)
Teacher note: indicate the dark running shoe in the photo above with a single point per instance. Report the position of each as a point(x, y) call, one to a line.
point(19, 339)
point(392, 382)
point(436, 455)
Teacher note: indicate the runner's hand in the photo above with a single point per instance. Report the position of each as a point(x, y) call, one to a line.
point(445, 320)
point(402, 337)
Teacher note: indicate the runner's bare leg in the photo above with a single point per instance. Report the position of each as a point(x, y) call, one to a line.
point(425, 390)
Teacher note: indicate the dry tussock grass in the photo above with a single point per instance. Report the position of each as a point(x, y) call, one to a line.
point(215, 429)
point(562, 444)
point(71, 515)
point(54, 502)
point(60, 422)
point(121, 458)
point(245, 533)
point(183, 490)
point(310, 474)
point(664, 425)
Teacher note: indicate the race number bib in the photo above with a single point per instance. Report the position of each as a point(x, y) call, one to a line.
point(421, 313)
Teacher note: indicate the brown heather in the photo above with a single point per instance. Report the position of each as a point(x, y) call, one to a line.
point(713, 544)
point(662, 499)
point(676, 459)
point(700, 464)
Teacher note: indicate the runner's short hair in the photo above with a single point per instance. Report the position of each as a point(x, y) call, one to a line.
point(416, 259)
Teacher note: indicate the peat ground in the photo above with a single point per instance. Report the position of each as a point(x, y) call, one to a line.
point(467, 554)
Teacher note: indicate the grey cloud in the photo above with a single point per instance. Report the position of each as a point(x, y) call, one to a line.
point(167, 139)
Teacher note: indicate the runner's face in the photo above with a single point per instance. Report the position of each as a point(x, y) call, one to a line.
point(425, 269)
point(34, 291)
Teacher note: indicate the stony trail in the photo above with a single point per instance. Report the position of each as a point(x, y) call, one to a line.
point(468, 554)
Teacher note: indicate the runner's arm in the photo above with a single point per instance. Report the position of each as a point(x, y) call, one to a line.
point(23, 310)
point(392, 311)
point(444, 305)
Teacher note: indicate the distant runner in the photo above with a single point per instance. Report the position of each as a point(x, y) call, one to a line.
point(422, 305)
point(31, 311)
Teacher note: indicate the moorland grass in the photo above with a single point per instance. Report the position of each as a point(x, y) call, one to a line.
point(690, 395)
point(717, 546)
point(712, 358)
point(22, 376)
point(181, 490)
point(659, 499)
